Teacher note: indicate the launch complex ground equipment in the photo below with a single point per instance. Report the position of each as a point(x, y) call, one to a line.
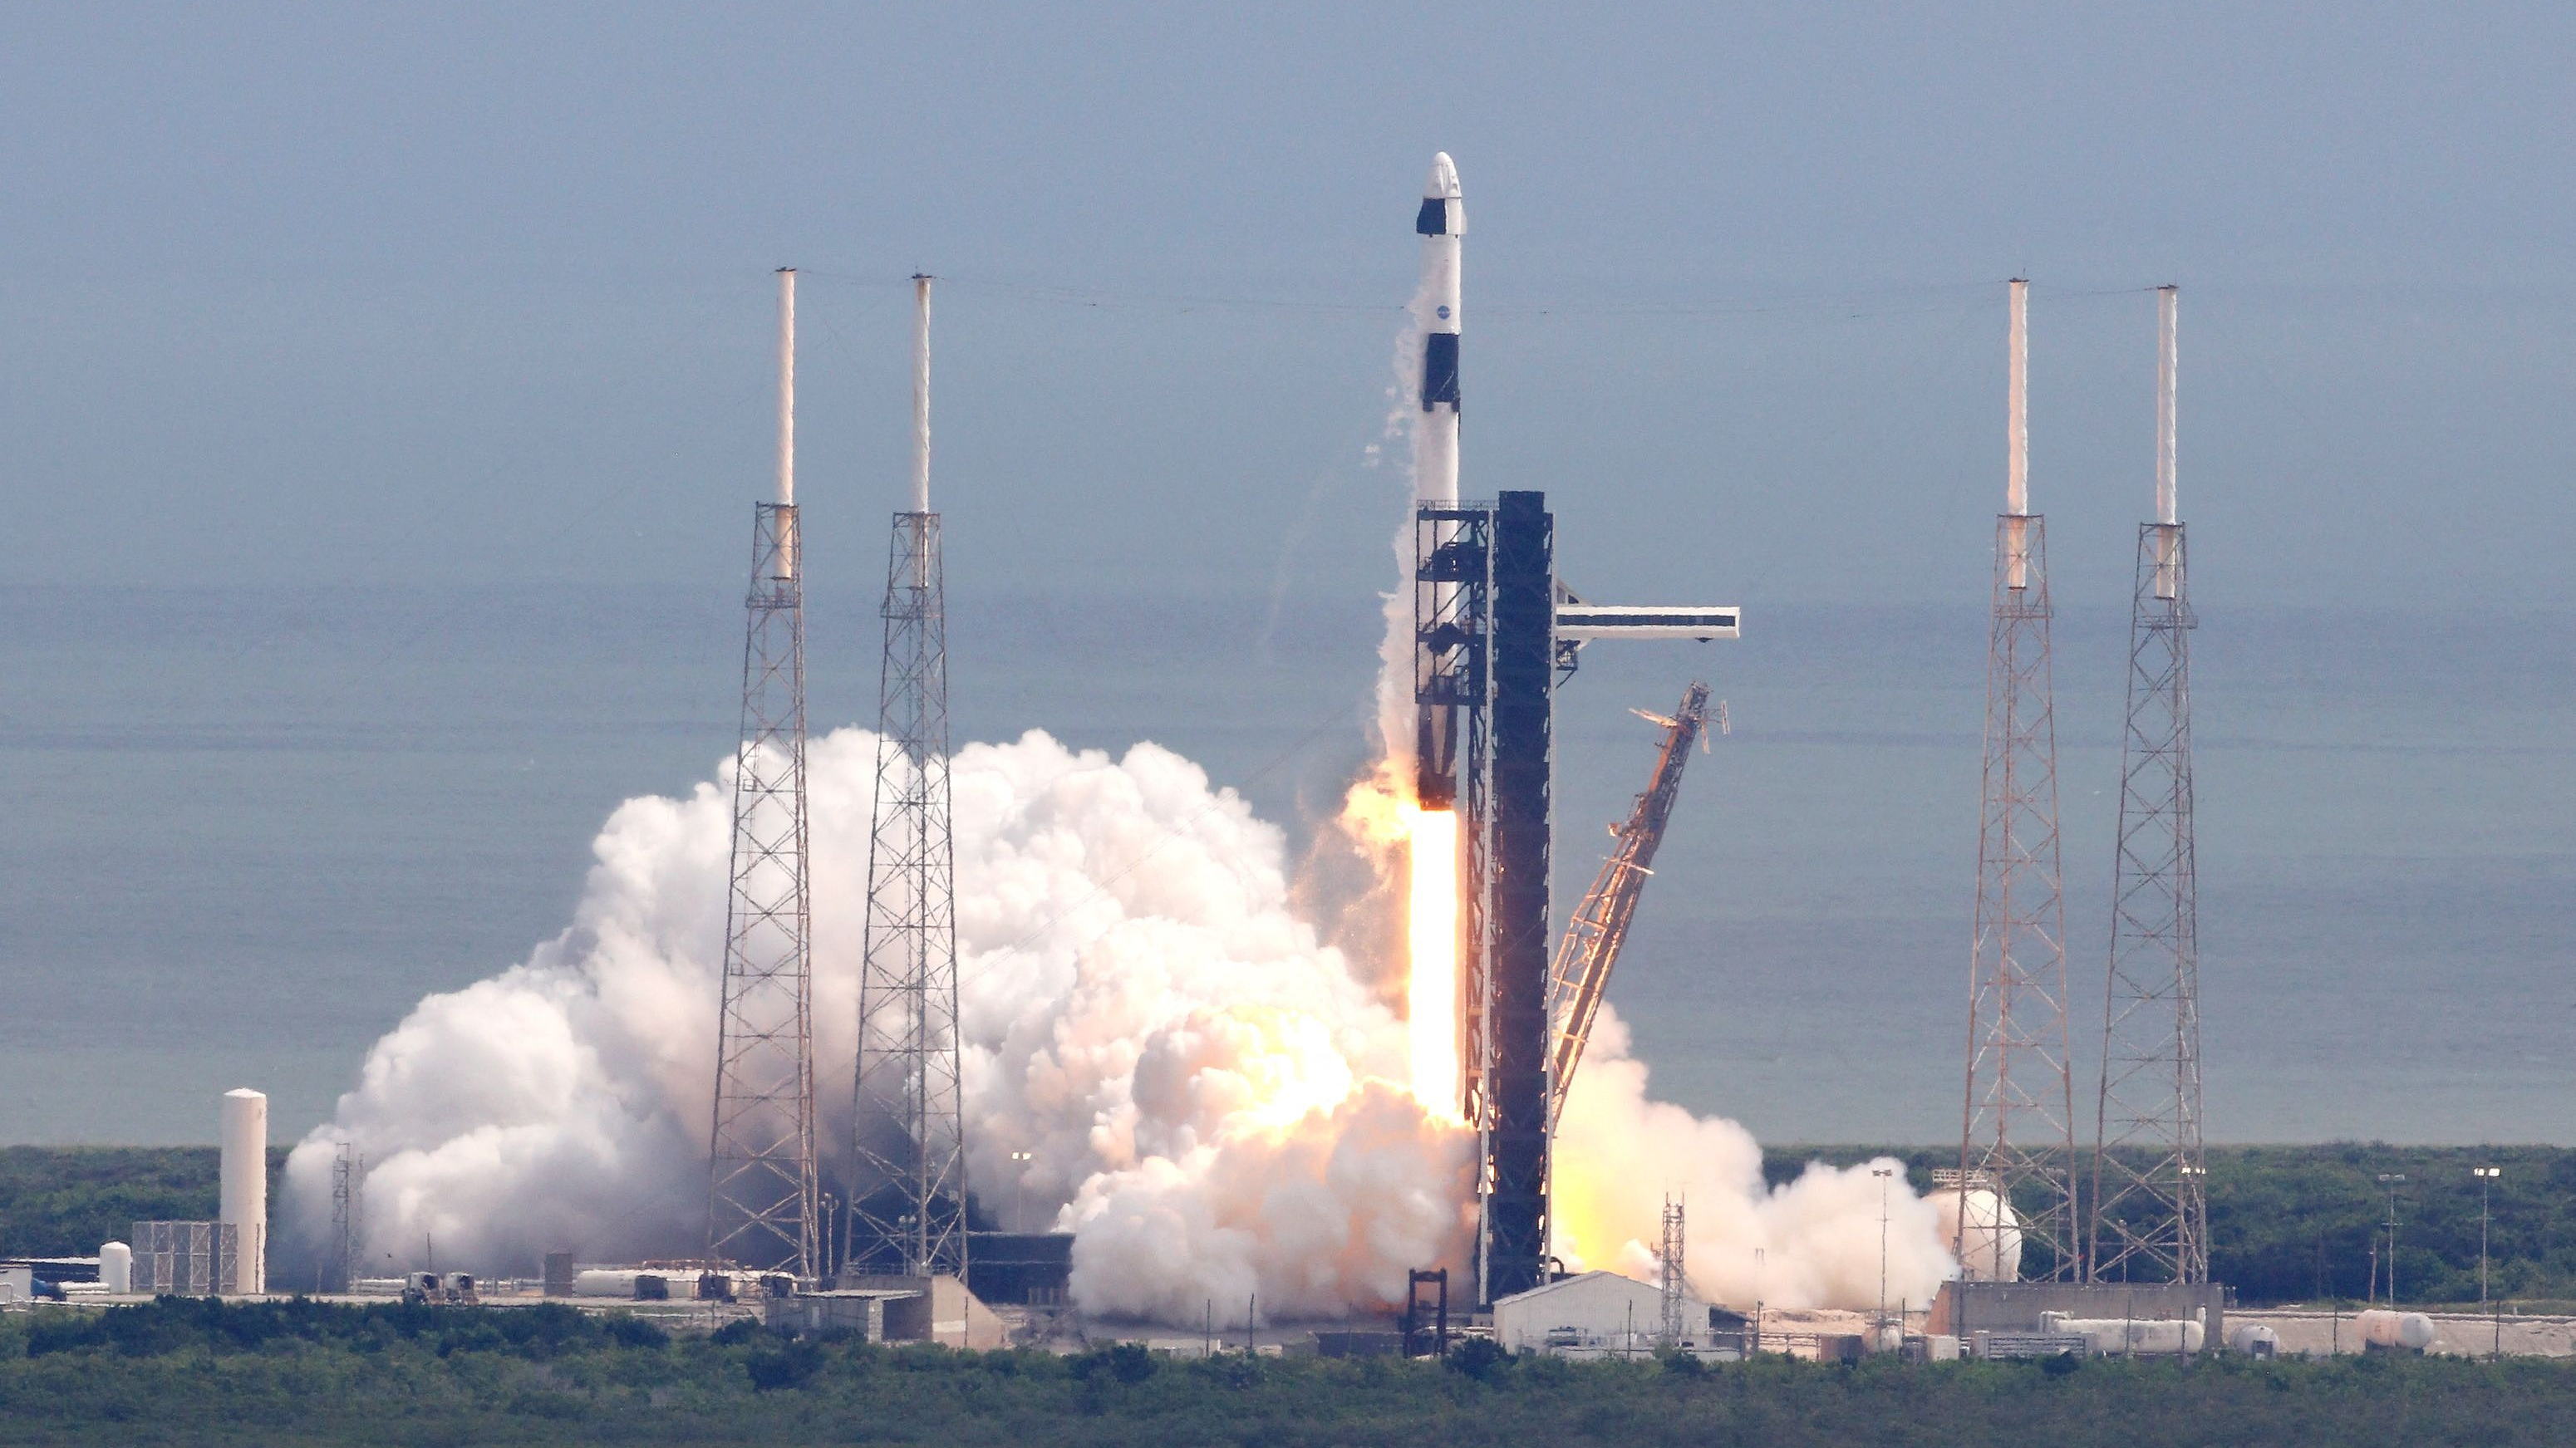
point(1495, 635)
point(1594, 937)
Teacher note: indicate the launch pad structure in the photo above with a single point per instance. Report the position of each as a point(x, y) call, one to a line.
point(1496, 636)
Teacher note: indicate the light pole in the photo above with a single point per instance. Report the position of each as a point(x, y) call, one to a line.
point(2486, 1176)
point(2186, 1253)
point(2392, 1181)
point(1020, 1188)
point(1883, 1174)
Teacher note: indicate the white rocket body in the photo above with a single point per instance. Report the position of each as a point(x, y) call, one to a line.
point(1441, 222)
point(244, 1189)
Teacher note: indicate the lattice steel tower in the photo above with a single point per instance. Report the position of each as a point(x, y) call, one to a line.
point(348, 1216)
point(1672, 1280)
point(762, 1198)
point(909, 1203)
point(2150, 1205)
point(2018, 1138)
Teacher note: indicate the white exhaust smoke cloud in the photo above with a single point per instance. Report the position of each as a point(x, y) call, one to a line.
point(1206, 1093)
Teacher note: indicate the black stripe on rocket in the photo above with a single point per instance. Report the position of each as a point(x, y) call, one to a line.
point(1439, 370)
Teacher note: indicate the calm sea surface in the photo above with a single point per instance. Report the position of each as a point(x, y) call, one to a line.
point(247, 828)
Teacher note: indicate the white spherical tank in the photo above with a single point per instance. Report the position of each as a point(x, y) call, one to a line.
point(2253, 1339)
point(115, 1267)
point(245, 1186)
point(1991, 1248)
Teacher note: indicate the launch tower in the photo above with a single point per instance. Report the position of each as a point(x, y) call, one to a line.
point(762, 1198)
point(2150, 1208)
point(2017, 1140)
point(908, 1206)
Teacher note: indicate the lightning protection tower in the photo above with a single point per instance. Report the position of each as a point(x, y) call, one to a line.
point(762, 1198)
point(2150, 1207)
point(909, 1203)
point(2017, 1139)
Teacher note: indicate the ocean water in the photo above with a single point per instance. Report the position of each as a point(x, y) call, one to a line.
point(247, 828)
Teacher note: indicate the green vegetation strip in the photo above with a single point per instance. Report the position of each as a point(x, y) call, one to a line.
point(195, 1372)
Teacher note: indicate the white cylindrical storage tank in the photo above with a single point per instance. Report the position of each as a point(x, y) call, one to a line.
point(245, 1186)
point(605, 1282)
point(115, 1267)
point(2118, 1335)
point(2410, 1331)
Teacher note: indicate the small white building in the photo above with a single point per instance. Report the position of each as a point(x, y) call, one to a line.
point(1603, 1315)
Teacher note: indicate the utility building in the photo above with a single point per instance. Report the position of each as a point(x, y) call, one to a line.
point(1604, 1315)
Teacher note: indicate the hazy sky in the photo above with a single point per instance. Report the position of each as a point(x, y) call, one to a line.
point(482, 293)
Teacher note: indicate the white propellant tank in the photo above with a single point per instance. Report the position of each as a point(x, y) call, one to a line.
point(2403, 1331)
point(115, 1267)
point(2131, 1336)
point(2254, 1340)
point(245, 1186)
point(1991, 1248)
point(632, 1283)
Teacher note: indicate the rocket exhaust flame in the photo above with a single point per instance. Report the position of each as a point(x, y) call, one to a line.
point(1431, 938)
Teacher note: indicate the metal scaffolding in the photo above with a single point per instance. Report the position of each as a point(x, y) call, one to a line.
point(1599, 930)
point(2150, 1202)
point(348, 1216)
point(762, 1197)
point(2018, 1136)
point(2150, 1208)
point(1672, 1279)
point(910, 1203)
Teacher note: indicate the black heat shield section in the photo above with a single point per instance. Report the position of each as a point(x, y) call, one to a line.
point(1440, 370)
point(1523, 665)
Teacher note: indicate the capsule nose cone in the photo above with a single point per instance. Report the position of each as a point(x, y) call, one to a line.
point(1443, 185)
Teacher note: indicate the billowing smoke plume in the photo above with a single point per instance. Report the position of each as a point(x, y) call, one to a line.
point(1198, 1085)
point(1203, 1090)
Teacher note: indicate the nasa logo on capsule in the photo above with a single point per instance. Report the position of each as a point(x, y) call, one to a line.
point(1443, 309)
